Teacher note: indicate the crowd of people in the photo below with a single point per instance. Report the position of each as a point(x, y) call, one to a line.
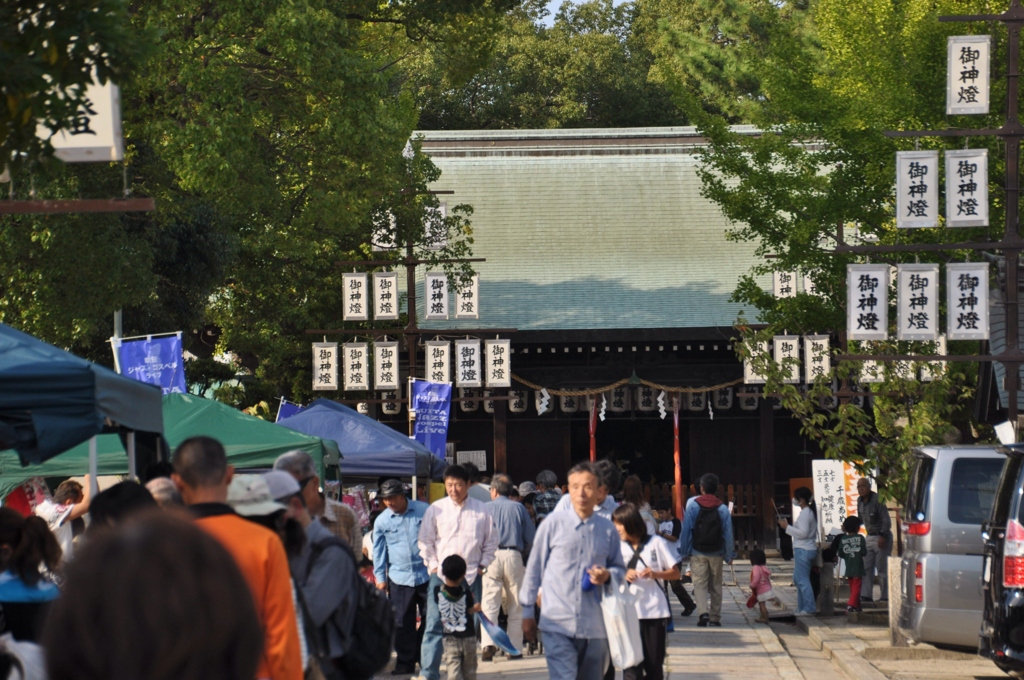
point(204, 573)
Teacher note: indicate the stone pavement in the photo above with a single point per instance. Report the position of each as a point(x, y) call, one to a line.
point(806, 648)
point(738, 649)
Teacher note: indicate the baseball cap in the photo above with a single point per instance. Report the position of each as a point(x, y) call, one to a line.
point(391, 487)
point(527, 488)
point(250, 496)
point(281, 484)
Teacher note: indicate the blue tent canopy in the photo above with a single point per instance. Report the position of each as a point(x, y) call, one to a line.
point(51, 400)
point(370, 449)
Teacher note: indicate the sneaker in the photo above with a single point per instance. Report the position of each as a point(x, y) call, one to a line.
point(515, 657)
point(488, 653)
point(715, 624)
point(806, 614)
point(703, 621)
point(689, 610)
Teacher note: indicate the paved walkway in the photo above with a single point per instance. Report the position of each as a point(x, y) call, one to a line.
point(739, 649)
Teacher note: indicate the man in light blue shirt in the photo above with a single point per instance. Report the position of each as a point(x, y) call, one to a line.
point(610, 480)
point(400, 570)
point(573, 552)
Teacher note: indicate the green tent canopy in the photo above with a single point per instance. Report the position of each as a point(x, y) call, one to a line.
point(250, 442)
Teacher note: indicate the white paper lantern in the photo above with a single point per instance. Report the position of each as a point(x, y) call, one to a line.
point(618, 400)
point(749, 402)
point(488, 403)
point(646, 399)
point(468, 406)
point(569, 404)
point(723, 399)
point(696, 401)
point(517, 401)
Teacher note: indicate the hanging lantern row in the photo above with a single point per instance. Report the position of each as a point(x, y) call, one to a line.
point(917, 291)
point(359, 300)
point(474, 366)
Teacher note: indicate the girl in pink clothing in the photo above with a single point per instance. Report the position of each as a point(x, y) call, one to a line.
point(761, 582)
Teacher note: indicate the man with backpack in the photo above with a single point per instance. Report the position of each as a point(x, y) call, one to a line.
point(334, 594)
point(707, 541)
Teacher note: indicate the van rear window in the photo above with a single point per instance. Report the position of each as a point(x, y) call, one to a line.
point(972, 489)
point(918, 494)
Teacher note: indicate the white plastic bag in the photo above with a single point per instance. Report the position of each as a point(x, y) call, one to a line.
point(621, 623)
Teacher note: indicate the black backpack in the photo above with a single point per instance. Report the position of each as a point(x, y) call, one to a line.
point(708, 536)
point(370, 635)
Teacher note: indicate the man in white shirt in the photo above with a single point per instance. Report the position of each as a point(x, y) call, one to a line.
point(70, 501)
point(455, 525)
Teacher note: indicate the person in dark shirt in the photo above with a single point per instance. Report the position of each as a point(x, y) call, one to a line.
point(456, 606)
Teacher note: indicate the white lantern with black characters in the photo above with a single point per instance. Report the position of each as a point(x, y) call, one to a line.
point(751, 376)
point(967, 301)
point(917, 189)
point(470, 404)
point(646, 399)
point(438, 360)
point(618, 400)
point(568, 403)
point(325, 366)
point(917, 302)
point(385, 365)
point(967, 188)
point(784, 284)
point(385, 296)
point(817, 360)
point(356, 366)
point(517, 401)
point(468, 369)
point(498, 365)
point(786, 348)
point(723, 399)
point(355, 306)
point(435, 286)
point(696, 401)
point(968, 59)
point(391, 406)
point(867, 301)
point(467, 300)
point(749, 398)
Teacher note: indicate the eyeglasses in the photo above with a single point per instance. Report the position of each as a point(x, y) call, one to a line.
point(304, 482)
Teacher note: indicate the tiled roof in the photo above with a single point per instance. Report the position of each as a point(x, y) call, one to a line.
point(591, 229)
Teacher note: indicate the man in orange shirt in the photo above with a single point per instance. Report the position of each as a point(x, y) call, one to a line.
point(202, 474)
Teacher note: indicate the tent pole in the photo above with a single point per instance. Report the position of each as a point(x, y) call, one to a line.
point(415, 489)
point(93, 467)
point(131, 457)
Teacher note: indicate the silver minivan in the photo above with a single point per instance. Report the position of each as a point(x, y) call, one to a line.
point(951, 492)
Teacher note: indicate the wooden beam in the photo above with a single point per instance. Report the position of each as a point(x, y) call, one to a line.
point(88, 205)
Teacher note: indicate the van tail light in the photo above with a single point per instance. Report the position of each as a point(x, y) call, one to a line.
point(919, 571)
point(919, 528)
point(918, 593)
point(1013, 555)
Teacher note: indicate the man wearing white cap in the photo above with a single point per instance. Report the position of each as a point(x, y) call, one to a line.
point(324, 570)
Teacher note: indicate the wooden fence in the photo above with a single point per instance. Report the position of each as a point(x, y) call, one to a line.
point(747, 510)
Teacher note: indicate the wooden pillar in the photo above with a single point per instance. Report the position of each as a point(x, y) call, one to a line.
point(500, 432)
point(566, 447)
point(767, 451)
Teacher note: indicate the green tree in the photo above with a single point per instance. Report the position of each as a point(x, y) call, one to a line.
point(828, 80)
point(590, 68)
point(50, 52)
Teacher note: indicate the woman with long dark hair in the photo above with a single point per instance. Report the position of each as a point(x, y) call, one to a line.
point(26, 545)
point(633, 493)
point(649, 559)
point(805, 549)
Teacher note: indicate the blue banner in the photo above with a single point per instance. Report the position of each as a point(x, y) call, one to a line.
point(156, 361)
point(432, 403)
point(288, 409)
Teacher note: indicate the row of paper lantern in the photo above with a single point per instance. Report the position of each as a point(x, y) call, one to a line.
point(722, 400)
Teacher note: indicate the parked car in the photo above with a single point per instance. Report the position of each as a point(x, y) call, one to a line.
point(1002, 628)
point(951, 492)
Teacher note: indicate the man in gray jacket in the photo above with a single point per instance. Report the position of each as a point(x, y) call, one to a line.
point(875, 516)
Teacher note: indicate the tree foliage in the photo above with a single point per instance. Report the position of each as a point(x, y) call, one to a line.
point(50, 52)
point(828, 79)
point(590, 68)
